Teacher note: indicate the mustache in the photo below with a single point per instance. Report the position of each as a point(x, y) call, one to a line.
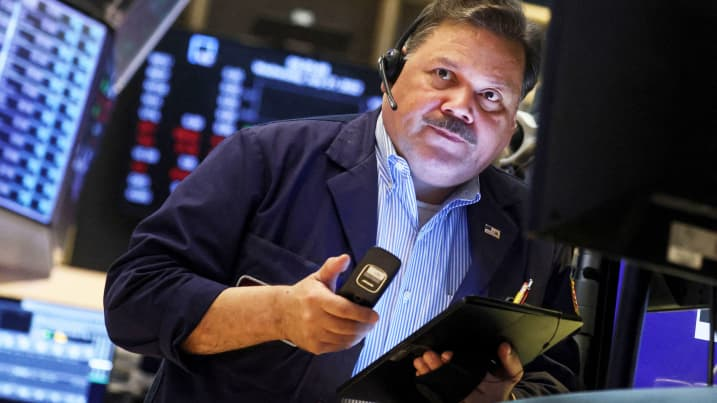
point(454, 125)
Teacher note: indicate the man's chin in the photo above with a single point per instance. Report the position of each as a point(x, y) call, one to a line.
point(446, 181)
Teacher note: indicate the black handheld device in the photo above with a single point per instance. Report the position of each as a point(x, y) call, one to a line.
point(370, 277)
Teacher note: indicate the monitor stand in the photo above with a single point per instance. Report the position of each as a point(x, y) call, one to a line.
point(27, 248)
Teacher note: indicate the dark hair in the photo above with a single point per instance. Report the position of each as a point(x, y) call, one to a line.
point(502, 17)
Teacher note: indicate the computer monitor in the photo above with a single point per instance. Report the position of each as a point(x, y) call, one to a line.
point(55, 70)
point(53, 353)
point(626, 145)
point(195, 90)
point(138, 25)
point(624, 161)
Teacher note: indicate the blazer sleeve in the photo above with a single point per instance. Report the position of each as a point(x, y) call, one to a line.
point(180, 258)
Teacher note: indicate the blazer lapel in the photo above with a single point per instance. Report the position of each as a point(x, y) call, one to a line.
point(492, 232)
point(355, 191)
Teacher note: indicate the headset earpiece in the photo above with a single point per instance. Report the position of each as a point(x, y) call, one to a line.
point(391, 63)
point(389, 66)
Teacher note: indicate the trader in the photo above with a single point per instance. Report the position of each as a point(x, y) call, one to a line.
point(291, 204)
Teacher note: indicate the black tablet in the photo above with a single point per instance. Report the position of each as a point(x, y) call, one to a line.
point(472, 327)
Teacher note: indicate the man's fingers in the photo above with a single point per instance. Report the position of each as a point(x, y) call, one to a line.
point(346, 309)
point(432, 359)
point(329, 272)
point(342, 326)
point(512, 366)
point(421, 367)
point(317, 319)
point(341, 341)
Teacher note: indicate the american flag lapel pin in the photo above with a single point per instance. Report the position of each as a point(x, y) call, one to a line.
point(492, 231)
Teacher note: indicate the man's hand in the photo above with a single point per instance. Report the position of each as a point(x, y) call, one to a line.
point(308, 314)
point(316, 319)
point(494, 387)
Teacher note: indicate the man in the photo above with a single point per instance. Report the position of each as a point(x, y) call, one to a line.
point(293, 203)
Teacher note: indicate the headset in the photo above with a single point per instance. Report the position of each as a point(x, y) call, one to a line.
point(391, 63)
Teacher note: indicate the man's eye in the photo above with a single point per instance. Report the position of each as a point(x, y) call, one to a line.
point(444, 74)
point(491, 100)
point(492, 96)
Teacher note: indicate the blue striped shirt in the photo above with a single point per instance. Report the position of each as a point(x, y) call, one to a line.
point(435, 255)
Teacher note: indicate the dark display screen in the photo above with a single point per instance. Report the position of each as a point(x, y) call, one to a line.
point(49, 57)
point(196, 90)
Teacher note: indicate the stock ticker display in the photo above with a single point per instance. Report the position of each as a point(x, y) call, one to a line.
point(196, 90)
point(49, 56)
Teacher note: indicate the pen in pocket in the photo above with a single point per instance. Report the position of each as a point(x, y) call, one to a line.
point(522, 294)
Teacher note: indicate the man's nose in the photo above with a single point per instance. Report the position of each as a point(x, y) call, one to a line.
point(461, 104)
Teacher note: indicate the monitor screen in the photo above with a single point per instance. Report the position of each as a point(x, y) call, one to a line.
point(195, 90)
point(53, 353)
point(49, 56)
point(673, 349)
point(625, 150)
point(139, 25)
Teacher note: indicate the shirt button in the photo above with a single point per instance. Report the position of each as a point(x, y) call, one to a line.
point(406, 296)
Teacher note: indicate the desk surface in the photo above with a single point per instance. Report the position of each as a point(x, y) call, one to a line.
point(66, 285)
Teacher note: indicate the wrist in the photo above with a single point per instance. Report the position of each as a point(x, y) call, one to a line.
point(280, 303)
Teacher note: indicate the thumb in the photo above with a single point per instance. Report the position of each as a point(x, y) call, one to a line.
point(512, 367)
point(329, 272)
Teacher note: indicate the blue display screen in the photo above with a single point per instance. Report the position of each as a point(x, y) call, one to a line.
point(196, 90)
point(673, 349)
point(49, 55)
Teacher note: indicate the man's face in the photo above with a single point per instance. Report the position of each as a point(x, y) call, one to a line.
point(457, 97)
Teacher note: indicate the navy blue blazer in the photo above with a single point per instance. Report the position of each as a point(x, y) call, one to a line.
point(274, 201)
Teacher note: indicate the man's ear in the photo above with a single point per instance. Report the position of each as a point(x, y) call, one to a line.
point(383, 89)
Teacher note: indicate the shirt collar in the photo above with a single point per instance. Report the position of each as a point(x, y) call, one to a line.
point(384, 146)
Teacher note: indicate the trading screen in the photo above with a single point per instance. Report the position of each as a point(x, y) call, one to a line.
point(53, 353)
point(49, 56)
point(196, 90)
